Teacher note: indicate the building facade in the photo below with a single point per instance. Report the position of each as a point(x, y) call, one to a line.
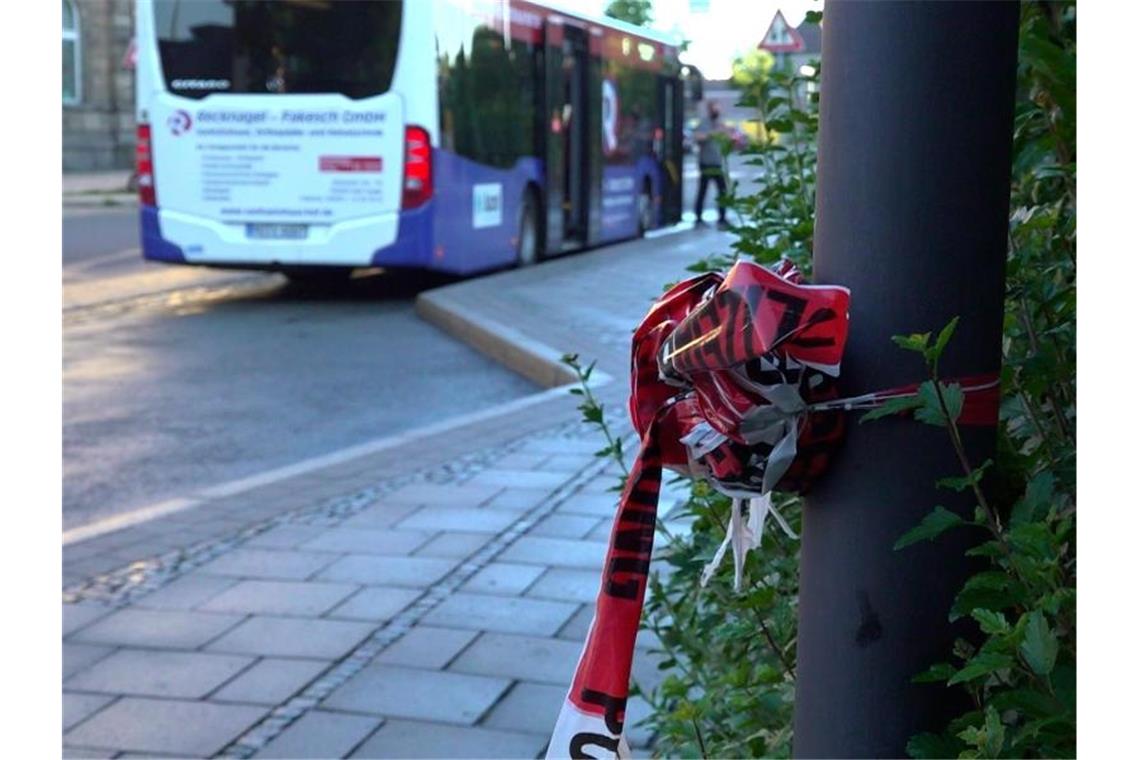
point(98, 85)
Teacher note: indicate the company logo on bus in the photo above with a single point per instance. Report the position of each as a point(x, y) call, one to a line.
point(179, 122)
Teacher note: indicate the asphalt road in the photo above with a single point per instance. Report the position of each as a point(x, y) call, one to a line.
point(179, 378)
point(176, 378)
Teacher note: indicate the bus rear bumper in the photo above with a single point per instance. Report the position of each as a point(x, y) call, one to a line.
point(413, 244)
point(154, 246)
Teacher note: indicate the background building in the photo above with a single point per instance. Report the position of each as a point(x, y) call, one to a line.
point(98, 87)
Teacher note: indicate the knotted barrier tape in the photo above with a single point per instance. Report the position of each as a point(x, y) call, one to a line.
point(733, 381)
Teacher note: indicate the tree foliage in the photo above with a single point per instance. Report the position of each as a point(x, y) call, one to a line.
point(636, 12)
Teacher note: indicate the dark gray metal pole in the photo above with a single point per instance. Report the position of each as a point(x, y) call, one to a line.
point(912, 205)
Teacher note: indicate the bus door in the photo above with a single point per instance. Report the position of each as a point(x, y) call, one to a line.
point(669, 145)
point(567, 179)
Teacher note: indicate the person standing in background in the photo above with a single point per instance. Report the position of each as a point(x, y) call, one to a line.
point(710, 158)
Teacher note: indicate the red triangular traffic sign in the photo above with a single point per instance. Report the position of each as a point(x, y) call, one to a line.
point(781, 37)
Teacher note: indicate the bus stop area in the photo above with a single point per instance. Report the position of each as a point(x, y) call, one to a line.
point(424, 595)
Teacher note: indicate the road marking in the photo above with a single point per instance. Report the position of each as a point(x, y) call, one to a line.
point(127, 519)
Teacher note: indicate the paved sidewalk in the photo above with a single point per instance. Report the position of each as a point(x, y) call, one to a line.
point(108, 188)
point(423, 599)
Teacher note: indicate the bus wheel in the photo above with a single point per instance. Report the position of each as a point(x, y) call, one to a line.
point(527, 249)
point(644, 211)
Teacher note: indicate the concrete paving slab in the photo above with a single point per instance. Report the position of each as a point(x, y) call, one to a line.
point(602, 531)
point(559, 552)
point(603, 504)
point(471, 520)
point(520, 478)
point(367, 569)
point(401, 692)
point(380, 515)
point(443, 494)
point(356, 540)
point(518, 499)
point(558, 445)
point(168, 629)
point(578, 626)
point(645, 672)
point(565, 526)
point(522, 460)
point(186, 592)
point(84, 752)
point(427, 647)
point(636, 711)
point(272, 564)
point(568, 463)
point(454, 545)
point(309, 599)
point(197, 729)
point(414, 739)
point(77, 656)
point(151, 673)
point(503, 578)
point(75, 616)
point(270, 681)
point(285, 536)
point(376, 603)
point(79, 707)
point(293, 637)
point(529, 707)
point(529, 658)
point(567, 585)
point(320, 734)
point(483, 612)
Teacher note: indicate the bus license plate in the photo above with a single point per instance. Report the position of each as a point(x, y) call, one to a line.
point(277, 231)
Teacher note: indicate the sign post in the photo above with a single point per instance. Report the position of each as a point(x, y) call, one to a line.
point(912, 213)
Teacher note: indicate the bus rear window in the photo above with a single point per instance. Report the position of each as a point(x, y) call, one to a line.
point(277, 47)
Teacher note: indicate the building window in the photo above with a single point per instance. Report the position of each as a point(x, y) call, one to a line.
point(72, 80)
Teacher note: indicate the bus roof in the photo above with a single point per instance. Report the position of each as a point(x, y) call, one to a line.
point(640, 31)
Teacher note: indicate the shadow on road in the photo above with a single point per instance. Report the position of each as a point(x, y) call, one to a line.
point(391, 284)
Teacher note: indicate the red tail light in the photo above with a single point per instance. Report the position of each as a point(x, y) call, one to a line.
point(417, 167)
point(144, 166)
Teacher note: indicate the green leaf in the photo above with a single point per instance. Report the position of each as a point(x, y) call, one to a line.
point(1026, 701)
point(913, 342)
point(1038, 494)
point(935, 352)
point(981, 665)
point(931, 411)
point(990, 590)
point(966, 481)
point(939, 673)
point(929, 745)
point(990, 621)
point(1039, 647)
point(893, 406)
point(995, 733)
point(933, 525)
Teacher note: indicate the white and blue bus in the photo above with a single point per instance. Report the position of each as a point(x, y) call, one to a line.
point(455, 135)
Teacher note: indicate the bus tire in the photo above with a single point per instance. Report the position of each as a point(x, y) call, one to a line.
point(528, 250)
point(644, 209)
